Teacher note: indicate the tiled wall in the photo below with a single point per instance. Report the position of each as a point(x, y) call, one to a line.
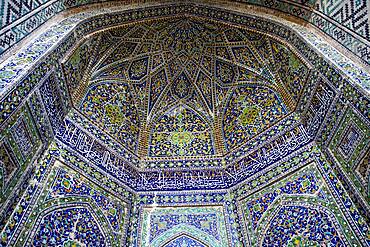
point(334, 113)
point(20, 18)
point(346, 21)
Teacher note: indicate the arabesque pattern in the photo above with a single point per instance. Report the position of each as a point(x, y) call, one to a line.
point(182, 124)
point(185, 60)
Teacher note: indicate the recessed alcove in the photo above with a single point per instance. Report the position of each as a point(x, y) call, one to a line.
point(185, 124)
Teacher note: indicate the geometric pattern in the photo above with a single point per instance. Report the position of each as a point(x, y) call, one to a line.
point(350, 14)
point(8, 166)
point(350, 146)
point(348, 23)
point(89, 215)
point(349, 141)
point(68, 227)
point(20, 18)
point(19, 145)
point(52, 99)
point(345, 21)
point(160, 225)
point(75, 66)
point(181, 132)
point(210, 128)
point(248, 111)
point(22, 137)
point(185, 241)
point(181, 104)
point(305, 184)
point(13, 10)
point(112, 107)
point(303, 195)
point(307, 217)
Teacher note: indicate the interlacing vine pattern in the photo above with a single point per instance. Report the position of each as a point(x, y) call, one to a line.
point(182, 124)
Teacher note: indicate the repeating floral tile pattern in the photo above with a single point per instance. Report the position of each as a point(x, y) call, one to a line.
point(213, 128)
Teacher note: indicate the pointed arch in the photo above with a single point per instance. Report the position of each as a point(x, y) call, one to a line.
point(192, 241)
point(295, 220)
point(71, 217)
point(185, 230)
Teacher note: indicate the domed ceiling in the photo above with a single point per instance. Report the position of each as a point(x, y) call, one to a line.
point(183, 131)
point(189, 87)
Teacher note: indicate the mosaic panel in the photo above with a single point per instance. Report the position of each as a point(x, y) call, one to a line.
point(157, 85)
point(107, 140)
point(13, 10)
point(333, 116)
point(53, 101)
point(317, 110)
point(172, 198)
point(77, 64)
point(196, 206)
point(350, 145)
point(350, 209)
point(348, 39)
point(68, 227)
point(20, 145)
point(185, 241)
point(67, 184)
point(295, 211)
point(194, 73)
point(19, 65)
point(40, 117)
point(160, 225)
point(9, 166)
point(248, 111)
point(350, 14)
point(138, 69)
point(181, 132)
point(349, 141)
point(242, 167)
point(112, 107)
point(13, 30)
point(89, 214)
point(93, 150)
point(305, 184)
point(121, 50)
point(225, 72)
point(19, 19)
point(207, 89)
point(22, 137)
point(345, 21)
point(284, 130)
point(295, 230)
point(172, 85)
point(293, 72)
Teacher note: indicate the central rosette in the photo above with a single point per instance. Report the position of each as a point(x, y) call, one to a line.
point(181, 132)
point(181, 139)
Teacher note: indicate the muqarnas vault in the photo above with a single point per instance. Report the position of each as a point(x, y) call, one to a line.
point(183, 124)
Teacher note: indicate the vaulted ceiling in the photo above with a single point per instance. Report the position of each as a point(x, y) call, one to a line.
point(185, 87)
point(183, 124)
